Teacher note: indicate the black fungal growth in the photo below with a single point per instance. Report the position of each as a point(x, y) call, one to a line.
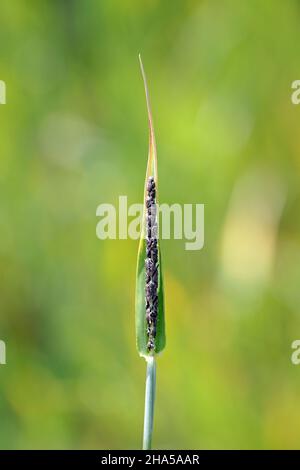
point(151, 264)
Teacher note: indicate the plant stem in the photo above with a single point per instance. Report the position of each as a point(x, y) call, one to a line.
point(149, 402)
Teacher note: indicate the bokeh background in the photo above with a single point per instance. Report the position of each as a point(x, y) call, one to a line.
point(73, 135)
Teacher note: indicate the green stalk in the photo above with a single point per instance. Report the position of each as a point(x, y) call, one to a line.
point(149, 402)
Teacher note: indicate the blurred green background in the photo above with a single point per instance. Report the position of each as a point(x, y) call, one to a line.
point(73, 135)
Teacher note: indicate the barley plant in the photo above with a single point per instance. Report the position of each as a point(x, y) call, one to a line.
point(149, 316)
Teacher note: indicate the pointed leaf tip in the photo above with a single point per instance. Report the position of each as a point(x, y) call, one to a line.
point(152, 155)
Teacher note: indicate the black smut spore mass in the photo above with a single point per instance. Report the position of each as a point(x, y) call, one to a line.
point(151, 264)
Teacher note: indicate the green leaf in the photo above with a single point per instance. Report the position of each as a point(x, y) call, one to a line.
point(140, 300)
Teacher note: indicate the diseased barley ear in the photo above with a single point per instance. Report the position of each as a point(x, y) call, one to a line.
point(149, 298)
